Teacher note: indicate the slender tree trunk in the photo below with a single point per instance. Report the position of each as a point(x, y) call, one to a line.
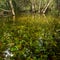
point(11, 5)
point(33, 6)
point(46, 7)
point(58, 4)
point(39, 10)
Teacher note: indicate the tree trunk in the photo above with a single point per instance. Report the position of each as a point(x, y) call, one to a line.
point(39, 10)
point(33, 5)
point(46, 7)
point(12, 9)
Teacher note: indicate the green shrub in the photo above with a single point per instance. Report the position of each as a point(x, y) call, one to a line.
point(29, 37)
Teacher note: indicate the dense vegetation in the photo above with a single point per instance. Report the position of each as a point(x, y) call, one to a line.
point(29, 29)
point(40, 6)
point(28, 38)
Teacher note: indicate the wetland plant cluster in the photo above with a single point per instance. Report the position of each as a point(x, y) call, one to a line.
point(29, 38)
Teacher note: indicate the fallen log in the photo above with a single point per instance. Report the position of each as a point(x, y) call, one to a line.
point(1, 13)
point(5, 12)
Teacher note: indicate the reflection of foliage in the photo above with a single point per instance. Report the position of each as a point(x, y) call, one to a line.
point(31, 38)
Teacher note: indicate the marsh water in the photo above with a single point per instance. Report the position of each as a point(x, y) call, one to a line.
point(23, 31)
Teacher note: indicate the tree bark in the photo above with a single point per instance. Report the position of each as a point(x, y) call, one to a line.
point(12, 8)
point(39, 10)
point(33, 5)
point(46, 7)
